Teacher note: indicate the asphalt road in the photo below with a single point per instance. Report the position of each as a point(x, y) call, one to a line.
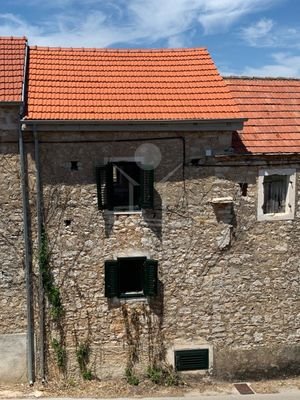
point(286, 395)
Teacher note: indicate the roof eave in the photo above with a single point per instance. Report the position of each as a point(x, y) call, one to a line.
point(278, 153)
point(10, 103)
point(231, 124)
point(264, 154)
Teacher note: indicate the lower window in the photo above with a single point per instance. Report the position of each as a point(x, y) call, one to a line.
point(191, 360)
point(276, 194)
point(129, 277)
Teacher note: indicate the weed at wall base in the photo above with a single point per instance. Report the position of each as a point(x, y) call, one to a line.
point(131, 378)
point(83, 356)
point(87, 375)
point(163, 375)
point(60, 354)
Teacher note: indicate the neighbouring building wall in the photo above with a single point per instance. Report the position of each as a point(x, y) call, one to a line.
point(12, 279)
point(226, 280)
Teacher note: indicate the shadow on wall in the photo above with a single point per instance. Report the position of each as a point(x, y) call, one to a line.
point(143, 327)
point(152, 217)
point(237, 144)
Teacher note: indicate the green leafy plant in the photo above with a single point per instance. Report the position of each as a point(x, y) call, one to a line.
point(83, 356)
point(131, 378)
point(155, 374)
point(60, 353)
point(87, 375)
point(172, 378)
point(163, 375)
point(51, 290)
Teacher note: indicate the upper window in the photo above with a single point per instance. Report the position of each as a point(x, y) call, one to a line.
point(130, 277)
point(276, 194)
point(124, 186)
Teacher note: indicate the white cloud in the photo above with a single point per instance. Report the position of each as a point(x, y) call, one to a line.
point(284, 65)
point(260, 30)
point(177, 41)
point(11, 25)
point(220, 14)
point(265, 33)
point(104, 23)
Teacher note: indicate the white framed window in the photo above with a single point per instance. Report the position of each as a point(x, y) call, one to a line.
point(276, 194)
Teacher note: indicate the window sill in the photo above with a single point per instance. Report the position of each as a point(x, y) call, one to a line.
point(275, 217)
point(124, 300)
point(118, 301)
point(112, 212)
point(132, 295)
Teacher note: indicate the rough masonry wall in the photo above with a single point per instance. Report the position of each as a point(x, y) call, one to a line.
point(12, 284)
point(12, 279)
point(226, 280)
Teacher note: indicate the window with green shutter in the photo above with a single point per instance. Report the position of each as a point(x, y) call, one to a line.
point(104, 179)
point(150, 277)
point(124, 186)
point(112, 279)
point(147, 184)
point(131, 277)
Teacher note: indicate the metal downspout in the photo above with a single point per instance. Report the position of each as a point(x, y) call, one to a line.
point(39, 237)
point(28, 265)
point(27, 240)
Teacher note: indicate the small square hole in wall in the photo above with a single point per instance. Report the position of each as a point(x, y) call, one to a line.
point(67, 222)
point(243, 188)
point(74, 165)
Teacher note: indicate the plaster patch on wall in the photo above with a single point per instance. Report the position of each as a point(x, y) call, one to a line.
point(224, 239)
point(13, 358)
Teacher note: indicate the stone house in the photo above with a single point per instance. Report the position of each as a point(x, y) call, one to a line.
point(162, 215)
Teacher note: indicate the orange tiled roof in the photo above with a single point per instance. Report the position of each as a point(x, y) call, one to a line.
point(272, 107)
point(110, 84)
point(12, 57)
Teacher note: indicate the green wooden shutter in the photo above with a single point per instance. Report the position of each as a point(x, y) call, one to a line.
point(150, 280)
point(189, 360)
point(104, 179)
point(147, 183)
point(112, 279)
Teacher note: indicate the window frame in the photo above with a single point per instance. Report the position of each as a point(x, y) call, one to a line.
point(149, 276)
point(136, 294)
point(105, 191)
point(135, 206)
point(290, 196)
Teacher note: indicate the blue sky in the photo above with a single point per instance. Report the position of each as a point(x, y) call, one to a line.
point(244, 37)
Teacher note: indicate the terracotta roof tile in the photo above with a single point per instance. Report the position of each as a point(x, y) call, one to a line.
point(12, 57)
point(273, 109)
point(111, 84)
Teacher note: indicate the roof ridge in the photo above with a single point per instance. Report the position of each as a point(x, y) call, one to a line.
point(13, 38)
point(120, 50)
point(262, 78)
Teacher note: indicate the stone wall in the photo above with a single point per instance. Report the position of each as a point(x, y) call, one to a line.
point(12, 279)
point(12, 283)
point(225, 279)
